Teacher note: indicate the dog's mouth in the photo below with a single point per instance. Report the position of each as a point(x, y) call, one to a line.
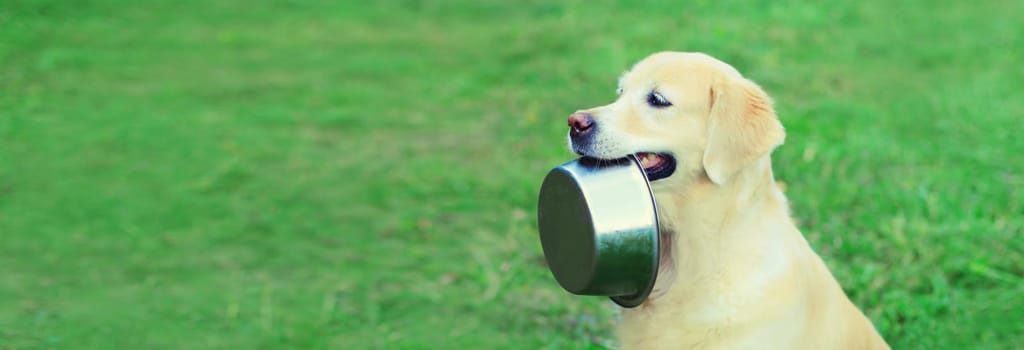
point(657, 165)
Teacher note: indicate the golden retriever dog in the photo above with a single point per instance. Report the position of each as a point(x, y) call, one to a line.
point(736, 273)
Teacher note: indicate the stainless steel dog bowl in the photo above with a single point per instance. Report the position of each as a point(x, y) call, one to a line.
point(599, 229)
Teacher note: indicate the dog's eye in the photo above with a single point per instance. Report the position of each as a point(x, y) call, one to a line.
point(657, 101)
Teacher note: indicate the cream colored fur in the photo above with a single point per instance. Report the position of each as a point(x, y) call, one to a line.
point(737, 274)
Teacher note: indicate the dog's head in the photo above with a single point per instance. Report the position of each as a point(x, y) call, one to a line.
point(691, 119)
point(687, 116)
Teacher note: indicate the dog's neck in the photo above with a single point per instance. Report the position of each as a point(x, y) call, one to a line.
point(707, 222)
point(703, 210)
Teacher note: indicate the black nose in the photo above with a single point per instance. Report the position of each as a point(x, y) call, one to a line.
point(580, 124)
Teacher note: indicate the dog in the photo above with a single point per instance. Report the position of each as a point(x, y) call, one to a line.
point(735, 271)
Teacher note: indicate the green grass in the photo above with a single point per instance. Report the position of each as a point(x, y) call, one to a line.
point(306, 175)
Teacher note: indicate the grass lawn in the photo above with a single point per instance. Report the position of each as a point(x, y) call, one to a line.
point(363, 175)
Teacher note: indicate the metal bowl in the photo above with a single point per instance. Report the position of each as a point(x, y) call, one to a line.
point(599, 229)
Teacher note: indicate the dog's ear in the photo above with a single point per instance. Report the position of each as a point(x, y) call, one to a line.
point(742, 128)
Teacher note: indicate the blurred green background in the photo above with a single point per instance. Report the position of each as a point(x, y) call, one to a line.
point(362, 175)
